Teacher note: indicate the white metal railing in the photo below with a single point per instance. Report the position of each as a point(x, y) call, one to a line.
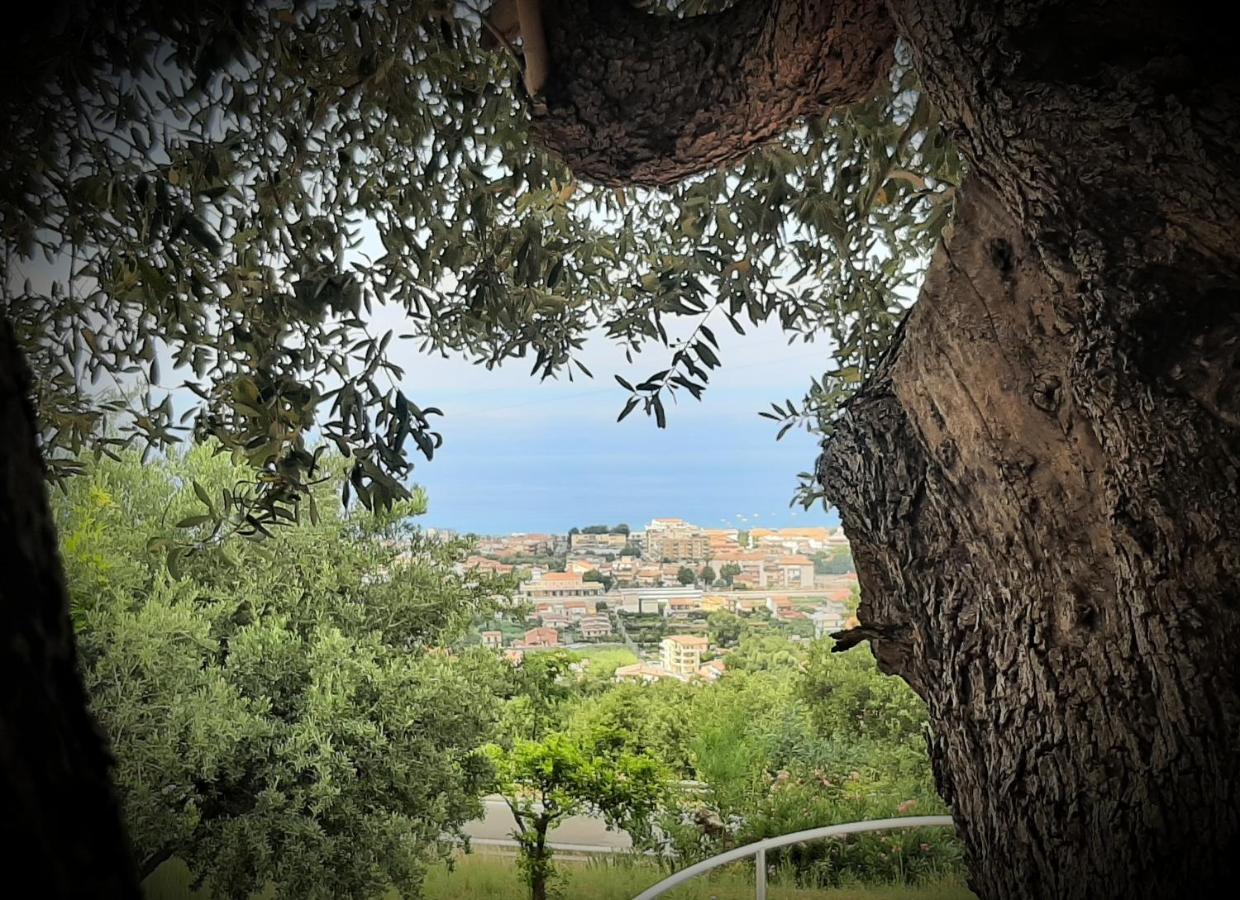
point(758, 849)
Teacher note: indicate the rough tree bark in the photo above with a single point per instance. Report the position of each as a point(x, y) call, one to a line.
point(1041, 484)
point(650, 100)
point(60, 824)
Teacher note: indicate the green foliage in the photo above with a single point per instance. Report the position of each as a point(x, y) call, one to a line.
point(838, 561)
point(724, 628)
point(236, 191)
point(595, 575)
point(555, 774)
point(278, 710)
point(728, 572)
point(794, 737)
point(707, 575)
point(686, 576)
point(621, 877)
point(847, 695)
point(601, 529)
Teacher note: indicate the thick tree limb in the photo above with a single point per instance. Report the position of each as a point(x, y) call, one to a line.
point(633, 98)
point(58, 815)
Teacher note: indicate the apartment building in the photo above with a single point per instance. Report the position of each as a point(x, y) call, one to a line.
point(559, 586)
point(681, 654)
point(594, 627)
point(792, 571)
point(600, 544)
point(493, 639)
point(674, 539)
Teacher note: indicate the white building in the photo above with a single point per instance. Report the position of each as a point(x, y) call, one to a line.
point(832, 617)
point(681, 654)
point(594, 627)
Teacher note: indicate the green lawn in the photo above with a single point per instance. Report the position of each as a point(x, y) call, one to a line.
point(483, 876)
point(604, 657)
point(489, 876)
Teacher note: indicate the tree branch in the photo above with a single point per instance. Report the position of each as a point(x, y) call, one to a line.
point(634, 98)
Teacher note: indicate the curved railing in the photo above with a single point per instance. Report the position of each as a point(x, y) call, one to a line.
point(758, 849)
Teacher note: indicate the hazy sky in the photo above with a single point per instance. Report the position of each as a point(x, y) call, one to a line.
point(520, 455)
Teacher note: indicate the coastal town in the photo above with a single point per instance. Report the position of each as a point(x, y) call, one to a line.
point(671, 598)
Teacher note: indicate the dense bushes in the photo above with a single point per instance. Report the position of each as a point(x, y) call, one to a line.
point(278, 711)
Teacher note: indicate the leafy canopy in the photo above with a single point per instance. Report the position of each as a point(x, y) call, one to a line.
point(216, 199)
point(279, 712)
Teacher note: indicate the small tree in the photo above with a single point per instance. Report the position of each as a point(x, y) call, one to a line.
point(838, 561)
point(546, 781)
point(685, 576)
point(707, 575)
point(724, 628)
point(729, 572)
point(595, 575)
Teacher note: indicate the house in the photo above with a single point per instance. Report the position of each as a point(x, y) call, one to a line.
point(683, 606)
point(831, 617)
point(493, 639)
point(747, 605)
point(541, 637)
point(712, 670)
point(681, 654)
point(645, 673)
point(602, 544)
point(655, 599)
point(591, 627)
point(778, 605)
point(555, 620)
point(579, 609)
point(648, 575)
point(715, 602)
point(559, 585)
point(752, 565)
point(793, 540)
point(482, 564)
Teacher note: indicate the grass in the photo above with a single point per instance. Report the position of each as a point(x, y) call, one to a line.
point(605, 657)
point(483, 876)
point(492, 876)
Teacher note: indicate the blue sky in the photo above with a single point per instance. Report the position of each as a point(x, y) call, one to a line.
point(520, 455)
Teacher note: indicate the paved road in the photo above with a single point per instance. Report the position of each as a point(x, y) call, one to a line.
point(583, 834)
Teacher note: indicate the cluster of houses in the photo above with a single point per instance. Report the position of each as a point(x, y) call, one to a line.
point(611, 574)
point(563, 602)
point(769, 558)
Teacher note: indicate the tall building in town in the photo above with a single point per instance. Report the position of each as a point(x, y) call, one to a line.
point(674, 539)
point(681, 654)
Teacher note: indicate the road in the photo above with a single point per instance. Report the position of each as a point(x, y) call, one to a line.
point(580, 834)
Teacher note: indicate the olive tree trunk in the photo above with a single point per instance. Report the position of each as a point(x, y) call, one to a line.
point(1041, 484)
point(60, 827)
